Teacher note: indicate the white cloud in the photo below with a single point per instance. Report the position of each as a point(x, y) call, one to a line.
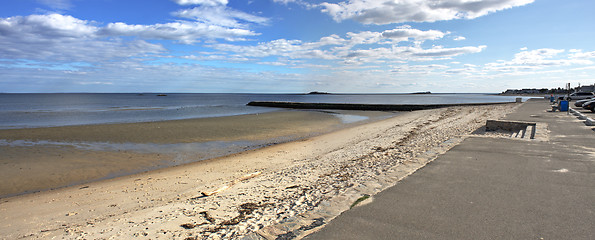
point(439, 51)
point(415, 53)
point(540, 61)
point(404, 33)
point(355, 49)
point(201, 2)
point(392, 11)
point(60, 38)
point(459, 38)
point(535, 57)
point(56, 25)
point(216, 57)
point(298, 2)
point(419, 69)
point(579, 54)
point(365, 37)
point(215, 14)
point(280, 47)
point(211, 20)
point(182, 31)
point(220, 16)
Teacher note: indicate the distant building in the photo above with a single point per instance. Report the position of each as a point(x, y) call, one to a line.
point(588, 88)
point(527, 91)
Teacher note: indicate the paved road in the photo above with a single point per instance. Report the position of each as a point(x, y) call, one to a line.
point(489, 188)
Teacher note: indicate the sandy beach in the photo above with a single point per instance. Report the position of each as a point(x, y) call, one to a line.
point(254, 193)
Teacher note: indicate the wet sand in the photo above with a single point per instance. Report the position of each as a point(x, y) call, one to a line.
point(258, 192)
point(242, 127)
point(48, 160)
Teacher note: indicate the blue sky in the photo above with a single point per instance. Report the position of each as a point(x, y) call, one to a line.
point(293, 46)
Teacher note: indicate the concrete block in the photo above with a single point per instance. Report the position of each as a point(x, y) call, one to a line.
point(517, 127)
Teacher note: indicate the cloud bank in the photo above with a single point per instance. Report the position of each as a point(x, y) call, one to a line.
point(355, 48)
point(64, 38)
point(396, 11)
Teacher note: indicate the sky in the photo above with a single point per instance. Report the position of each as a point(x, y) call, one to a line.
point(295, 46)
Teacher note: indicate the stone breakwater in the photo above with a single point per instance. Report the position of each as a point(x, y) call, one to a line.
point(362, 107)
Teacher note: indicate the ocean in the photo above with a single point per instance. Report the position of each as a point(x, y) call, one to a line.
point(61, 109)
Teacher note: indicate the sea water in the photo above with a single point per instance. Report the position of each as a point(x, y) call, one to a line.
point(62, 109)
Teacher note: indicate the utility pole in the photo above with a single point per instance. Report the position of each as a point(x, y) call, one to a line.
point(567, 98)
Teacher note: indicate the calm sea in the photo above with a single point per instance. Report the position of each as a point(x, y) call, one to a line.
point(44, 110)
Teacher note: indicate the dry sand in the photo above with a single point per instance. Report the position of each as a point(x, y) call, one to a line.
point(283, 190)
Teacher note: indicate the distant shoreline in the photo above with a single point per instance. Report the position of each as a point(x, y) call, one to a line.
point(527, 94)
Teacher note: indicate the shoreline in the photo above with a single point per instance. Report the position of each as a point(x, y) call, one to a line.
point(39, 159)
point(313, 178)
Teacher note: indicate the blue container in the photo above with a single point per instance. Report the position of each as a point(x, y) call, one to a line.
point(563, 106)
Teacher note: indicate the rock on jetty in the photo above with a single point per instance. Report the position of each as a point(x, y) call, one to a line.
point(365, 107)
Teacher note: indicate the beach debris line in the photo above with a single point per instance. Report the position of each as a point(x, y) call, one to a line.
point(295, 233)
point(207, 216)
point(234, 182)
point(244, 210)
point(191, 225)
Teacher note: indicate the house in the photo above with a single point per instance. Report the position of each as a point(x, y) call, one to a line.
point(588, 88)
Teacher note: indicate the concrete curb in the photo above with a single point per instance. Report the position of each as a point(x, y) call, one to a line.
point(588, 121)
